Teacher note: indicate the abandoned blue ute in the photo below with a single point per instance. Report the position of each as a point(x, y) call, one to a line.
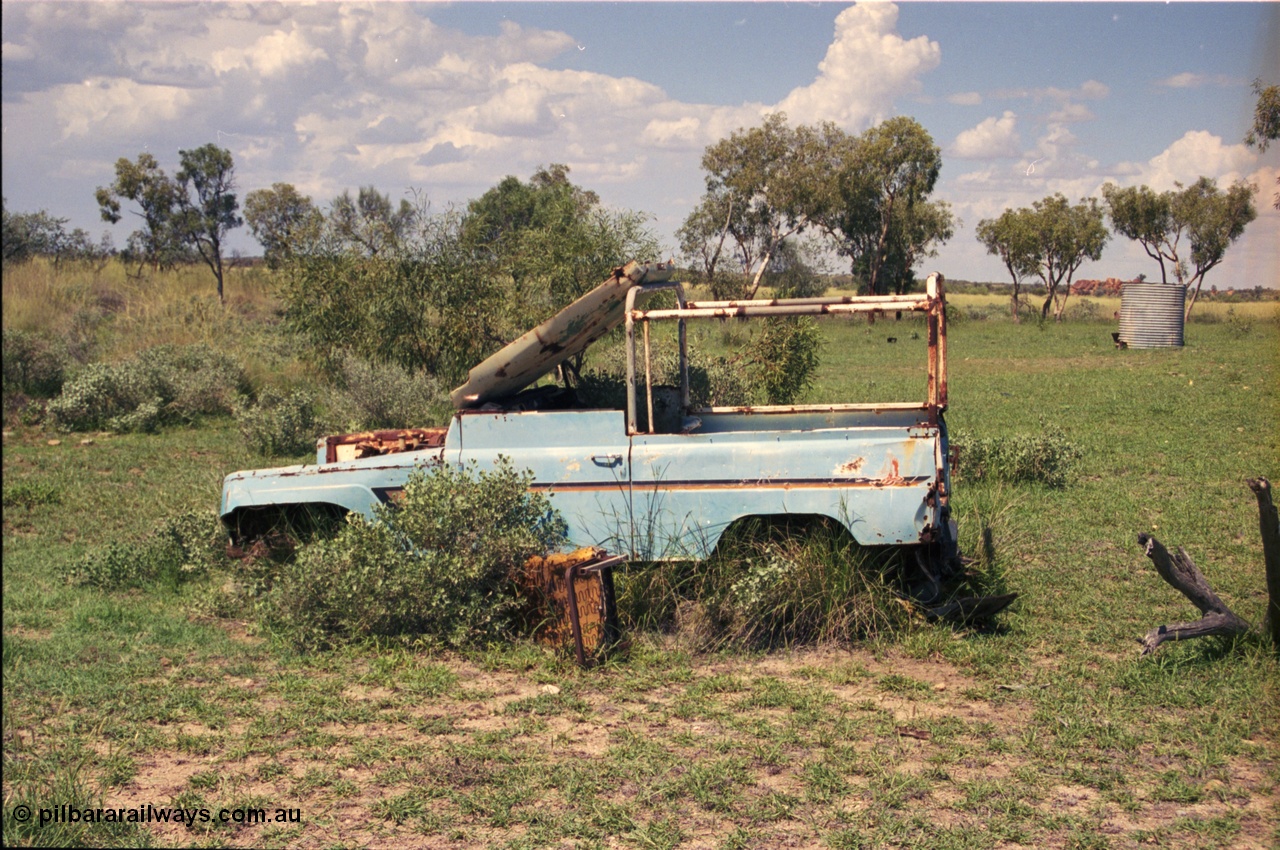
point(658, 478)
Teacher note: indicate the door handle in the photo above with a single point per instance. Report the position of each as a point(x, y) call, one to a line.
point(607, 460)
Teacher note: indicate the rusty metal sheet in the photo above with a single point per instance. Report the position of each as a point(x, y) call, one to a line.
point(571, 600)
point(565, 334)
point(374, 443)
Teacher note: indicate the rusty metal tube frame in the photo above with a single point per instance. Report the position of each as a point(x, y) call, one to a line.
point(571, 575)
point(933, 305)
point(631, 314)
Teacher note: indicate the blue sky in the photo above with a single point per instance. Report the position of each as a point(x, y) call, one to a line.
point(1024, 99)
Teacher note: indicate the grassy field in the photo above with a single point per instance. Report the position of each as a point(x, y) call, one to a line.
point(1048, 730)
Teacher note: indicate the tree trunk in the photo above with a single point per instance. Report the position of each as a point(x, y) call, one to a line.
point(1269, 522)
point(1182, 573)
point(1013, 306)
point(1062, 305)
point(755, 283)
point(1192, 295)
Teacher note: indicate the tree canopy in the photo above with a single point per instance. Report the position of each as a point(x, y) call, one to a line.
point(1050, 239)
point(39, 234)
point(158, 242)
point(879, 216)
point(867, 193)
point(454, 286)
point(207, 208)
point(1266, 122)
point(1209, 220)
point(282, 220)
point(760, 190)
point(193, 212)
point(370, 223)
point(1011, 237)
point(552, 240)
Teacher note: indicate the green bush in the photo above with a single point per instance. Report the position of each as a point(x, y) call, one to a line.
point(784, 358)
point(184, 547)
point(278, 424)
point(775, 366)
point(771, 585)
point(1238, 327)
point(1084, 310)
point(1048, 457)
point(374, 396)
point(713, 381)
point(33, 365)
point(438, 564)
point(163, 385)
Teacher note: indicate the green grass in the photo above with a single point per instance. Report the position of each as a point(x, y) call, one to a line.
point(1048, 729)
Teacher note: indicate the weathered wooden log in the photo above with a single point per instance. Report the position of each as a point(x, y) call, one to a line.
point(1182, 573)
point(1269, 524)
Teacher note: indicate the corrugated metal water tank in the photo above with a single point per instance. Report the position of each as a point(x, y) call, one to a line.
point(1151, 315)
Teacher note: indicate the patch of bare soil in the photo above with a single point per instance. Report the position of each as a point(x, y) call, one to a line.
point(437, 751)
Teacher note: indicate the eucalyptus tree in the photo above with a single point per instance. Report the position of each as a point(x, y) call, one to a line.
point(1050, 240)
point(761, 189)
point(1208, 218)
point(1266, 122)
point(1065, 236)
point(283, 221)
point(370, 223)
point(877, 180)
point(456, 285)
point(551, 240)
point(1011, 237)
point(207, 208)
point(158, 241)
point(916, 231)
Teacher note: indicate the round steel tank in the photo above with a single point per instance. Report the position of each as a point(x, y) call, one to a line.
point(1151, 315)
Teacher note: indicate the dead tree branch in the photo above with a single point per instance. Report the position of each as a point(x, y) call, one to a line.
point(1269, 523)
point(1183, 574)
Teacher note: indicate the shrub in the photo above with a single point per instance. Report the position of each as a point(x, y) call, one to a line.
point(784, 358)
point(162, 385)
point(776, 366)
point(712, 381)
point(278, 424)
point(438, 564)
point(33, 364)
point(770, 585)
point(183, 547)
point(374, 396)
point(1238, 327)
point(728, 286)
point(1084, 310)
point(1048, 457)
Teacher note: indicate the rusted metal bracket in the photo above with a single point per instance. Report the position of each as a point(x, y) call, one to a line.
point(604, 570)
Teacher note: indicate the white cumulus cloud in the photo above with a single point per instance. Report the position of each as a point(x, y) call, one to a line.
point(270, 55)
point(991, 139)
point(1198, 153)
point(867, 65)
point(123, 105)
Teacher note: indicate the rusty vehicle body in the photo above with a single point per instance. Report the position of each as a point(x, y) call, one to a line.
point(648, 486)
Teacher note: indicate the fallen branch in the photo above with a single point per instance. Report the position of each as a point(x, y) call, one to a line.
point(1182, 573)
point(1269, 523)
